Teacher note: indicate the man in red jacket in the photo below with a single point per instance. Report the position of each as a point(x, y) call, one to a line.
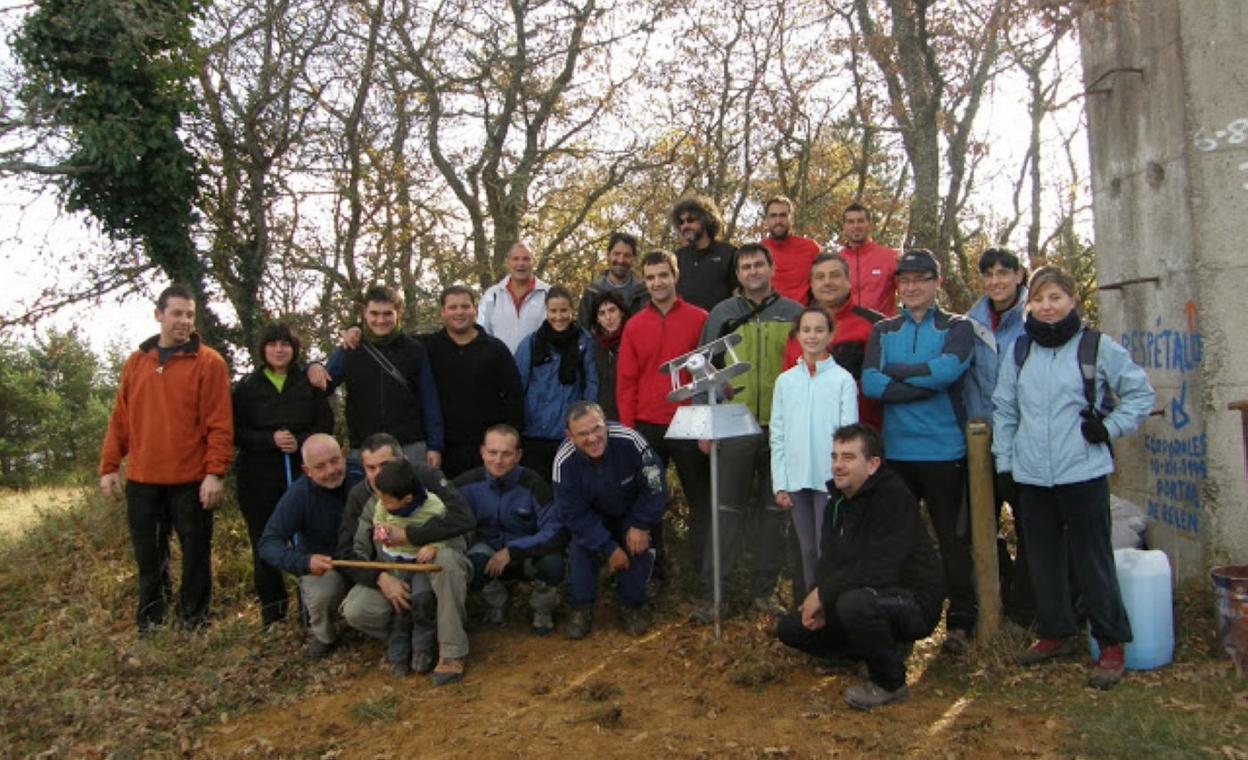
point(667, 327)
point(791, 254)
point(872, 267)
point(829, 287)
point(173, 423)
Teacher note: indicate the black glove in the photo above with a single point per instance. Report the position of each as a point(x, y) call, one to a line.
point(1004, 487)
point(1093, 429)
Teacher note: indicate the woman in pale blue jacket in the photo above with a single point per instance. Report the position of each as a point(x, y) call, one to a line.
point(810, 401)
point(1057, 447)
point(557, 369)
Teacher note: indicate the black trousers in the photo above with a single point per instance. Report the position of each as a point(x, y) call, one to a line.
point(872, 624)
point(942, 487)
point(694, 470)
point(153, 514)
point(257, 497)
point(1068, 528)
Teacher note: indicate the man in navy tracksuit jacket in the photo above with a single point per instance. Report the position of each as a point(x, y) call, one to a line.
point(610, 494)
point(915, 363)
point(302, 534)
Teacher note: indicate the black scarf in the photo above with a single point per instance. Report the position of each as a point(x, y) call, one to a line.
point(1053, 335)
point(568, 346)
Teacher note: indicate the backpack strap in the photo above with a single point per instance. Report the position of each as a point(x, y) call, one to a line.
point(1022, 347)
point(1089, 345)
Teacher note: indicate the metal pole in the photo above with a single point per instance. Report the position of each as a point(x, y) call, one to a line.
point(983, 528)
point(715, 519)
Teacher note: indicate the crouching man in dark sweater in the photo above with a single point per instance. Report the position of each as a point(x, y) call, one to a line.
point(879, 583)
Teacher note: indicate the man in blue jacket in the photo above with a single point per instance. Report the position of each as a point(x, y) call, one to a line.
point(609, 492)
point(915, 363)
point(302, 534)
point(518, 530)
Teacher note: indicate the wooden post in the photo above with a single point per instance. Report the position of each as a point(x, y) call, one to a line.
point(983, 527)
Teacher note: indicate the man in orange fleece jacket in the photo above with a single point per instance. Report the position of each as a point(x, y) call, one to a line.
point(173, 424)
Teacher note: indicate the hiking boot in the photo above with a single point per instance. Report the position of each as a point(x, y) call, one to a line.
point(1108, 670)
point(422, 661)
point(449, 670)
point(1044, 650)
point(494, 616)
point(496, 597)
point(636, 621)
point(579, 624)
point(319, 650)
point(543, 622)
point(768, 604)
point(956, 642)
point(703, 614)
point(400, 668)
point(871, 695)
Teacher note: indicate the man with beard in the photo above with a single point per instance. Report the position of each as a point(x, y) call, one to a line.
point(706, 264)
point(619, 278)
point(792, 254)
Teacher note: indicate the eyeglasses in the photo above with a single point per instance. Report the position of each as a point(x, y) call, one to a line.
point(905, 282)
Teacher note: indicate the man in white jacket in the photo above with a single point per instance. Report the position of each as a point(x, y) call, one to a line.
point(516, 305)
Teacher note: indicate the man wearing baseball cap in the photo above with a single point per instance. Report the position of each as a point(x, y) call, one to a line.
point(915, 363)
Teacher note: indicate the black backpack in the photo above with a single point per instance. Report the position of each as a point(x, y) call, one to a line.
point(1089, 345)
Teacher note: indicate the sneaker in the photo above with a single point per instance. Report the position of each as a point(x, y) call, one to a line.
point(636, 621)
point(400, 668)
point(1045, 649)
point(543, 623)
point(768, 604)
point(703, 614)
point(422, 661)
point(871, 694)
point(1108, 670)
point(318, 649)
point(579, 624)
point(956, 642)
point(494, 616)
point(449, 670)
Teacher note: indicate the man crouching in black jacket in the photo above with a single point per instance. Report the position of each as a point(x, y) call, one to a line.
point(879, 582)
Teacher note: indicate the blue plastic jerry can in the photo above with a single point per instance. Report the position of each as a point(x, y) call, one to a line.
point(1144, 580)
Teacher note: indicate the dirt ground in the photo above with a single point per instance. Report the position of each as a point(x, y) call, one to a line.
point(673, 693)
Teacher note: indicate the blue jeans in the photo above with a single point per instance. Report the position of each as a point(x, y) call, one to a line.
point(630, 583)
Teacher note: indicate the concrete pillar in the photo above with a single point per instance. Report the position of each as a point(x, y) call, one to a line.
point(1167, 107)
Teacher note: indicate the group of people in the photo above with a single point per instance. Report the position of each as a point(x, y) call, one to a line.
point(526, 441)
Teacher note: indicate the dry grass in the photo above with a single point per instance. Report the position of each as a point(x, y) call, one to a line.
point(21, 509)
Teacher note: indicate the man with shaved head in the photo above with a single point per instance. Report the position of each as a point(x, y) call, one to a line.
point(302, 534)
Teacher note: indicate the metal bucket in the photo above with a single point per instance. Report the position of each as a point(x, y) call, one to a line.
point(1230, 590)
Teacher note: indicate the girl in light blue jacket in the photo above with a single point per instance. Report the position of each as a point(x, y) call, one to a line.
point(810, 401)
point(1057, 449)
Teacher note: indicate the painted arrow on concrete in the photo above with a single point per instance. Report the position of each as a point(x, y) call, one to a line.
point(1178, 415)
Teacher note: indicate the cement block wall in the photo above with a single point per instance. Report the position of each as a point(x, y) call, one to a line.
point(1167, 111)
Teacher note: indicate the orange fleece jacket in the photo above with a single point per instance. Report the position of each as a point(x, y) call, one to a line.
point(172, 424)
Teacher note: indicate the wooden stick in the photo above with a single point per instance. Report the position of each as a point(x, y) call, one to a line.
point(402, 567)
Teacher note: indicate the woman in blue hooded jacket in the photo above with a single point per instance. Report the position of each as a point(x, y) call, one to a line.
point(557, 369)
point(1056, 446)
